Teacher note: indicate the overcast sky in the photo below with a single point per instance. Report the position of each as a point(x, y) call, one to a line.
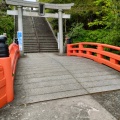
point(31, 0)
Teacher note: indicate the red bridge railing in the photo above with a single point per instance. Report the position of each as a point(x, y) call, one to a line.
point(97, 52)
point(7, 71)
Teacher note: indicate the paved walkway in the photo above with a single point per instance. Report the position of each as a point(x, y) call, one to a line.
point(48, 76)
point(53, 87)
point(75, 108)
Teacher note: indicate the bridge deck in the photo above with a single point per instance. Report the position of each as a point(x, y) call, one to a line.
point(47, 76)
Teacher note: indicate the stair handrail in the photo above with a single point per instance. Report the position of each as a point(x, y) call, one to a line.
point(35, 32)
point(51, 29)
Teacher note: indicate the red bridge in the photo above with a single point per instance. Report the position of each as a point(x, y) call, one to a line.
point(47, 76)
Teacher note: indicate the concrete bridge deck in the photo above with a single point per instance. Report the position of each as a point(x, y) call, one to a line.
point(48, 76)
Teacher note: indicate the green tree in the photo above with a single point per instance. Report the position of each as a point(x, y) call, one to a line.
point(92, 20)
point(107, 14)
point(6, 21)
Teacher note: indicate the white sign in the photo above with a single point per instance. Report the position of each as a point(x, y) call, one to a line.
point(20, 39)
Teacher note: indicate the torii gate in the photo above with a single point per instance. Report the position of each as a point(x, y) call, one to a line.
point(20, 13)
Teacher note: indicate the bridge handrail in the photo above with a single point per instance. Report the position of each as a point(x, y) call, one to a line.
point(7, 71)
point(14, 55)
point(3, 96)
point(96, 52)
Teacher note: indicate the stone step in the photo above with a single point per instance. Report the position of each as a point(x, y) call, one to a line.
point(31, 48)
point(41, 50)
point(48, 43)
point(31, 51)
point(48, 50)
point(29, 44)
point(29, 33)
point(30, 39)
point(41, 46)
point(48, 47)
point(40, 38)
point(47, 37)
point(28, 28)
point(39, 41)
point(32, 35)
point(28, 25)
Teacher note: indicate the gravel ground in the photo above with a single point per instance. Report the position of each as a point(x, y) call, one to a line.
point(110, 101)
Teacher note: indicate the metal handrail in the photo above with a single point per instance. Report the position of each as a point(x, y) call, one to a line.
point(35, 32)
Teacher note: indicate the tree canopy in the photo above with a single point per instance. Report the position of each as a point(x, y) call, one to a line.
point(6, 22)
point(91, 20)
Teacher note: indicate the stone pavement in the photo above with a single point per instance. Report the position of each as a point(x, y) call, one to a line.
point(75, 108)
point(47, 76)
point(53, 87)
point(110, 101)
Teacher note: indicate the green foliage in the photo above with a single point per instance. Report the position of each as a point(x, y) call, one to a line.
point(91, 20)
point(106, 36)
point(107, 14)
point(6, 22)
point(104, 28)
point(77, 33)
point(6, 25)
point(80, 12)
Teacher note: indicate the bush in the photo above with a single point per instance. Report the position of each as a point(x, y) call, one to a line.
point(9, 41)
point(77, 33)
point(6, 21)
point(106, 36)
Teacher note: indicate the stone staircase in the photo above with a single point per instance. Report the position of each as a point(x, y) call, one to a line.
point(30, 39)
point(38, 36)
point(47, 41)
